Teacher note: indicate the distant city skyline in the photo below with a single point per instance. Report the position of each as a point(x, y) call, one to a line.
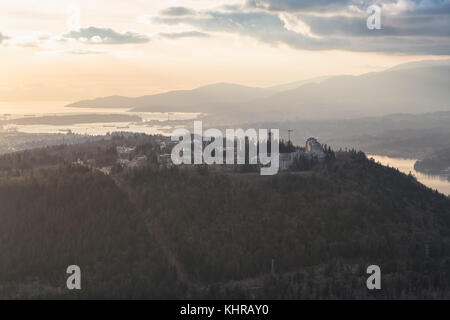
point(71, 50)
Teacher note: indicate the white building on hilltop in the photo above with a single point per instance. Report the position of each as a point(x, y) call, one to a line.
point(313, 149)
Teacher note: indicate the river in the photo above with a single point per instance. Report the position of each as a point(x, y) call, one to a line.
point(407, 165)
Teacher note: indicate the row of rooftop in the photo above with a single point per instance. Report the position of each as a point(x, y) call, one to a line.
point(127, 157)
point(312, 149)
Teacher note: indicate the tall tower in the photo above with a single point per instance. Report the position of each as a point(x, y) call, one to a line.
point(269, 145)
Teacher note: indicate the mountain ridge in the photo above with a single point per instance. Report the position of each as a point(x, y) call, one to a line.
point(411, 87)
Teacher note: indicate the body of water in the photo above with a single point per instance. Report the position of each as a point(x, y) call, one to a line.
point(406, 166)
point(15, 110)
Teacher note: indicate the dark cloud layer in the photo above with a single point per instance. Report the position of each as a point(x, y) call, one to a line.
point(299, 5)
point(260, 25)
point(392, 26)
point(177, 12)
point(97, 35)
point(414, 27)
point(414, 6)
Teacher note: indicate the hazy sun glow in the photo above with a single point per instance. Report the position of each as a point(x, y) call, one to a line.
point(49, 50)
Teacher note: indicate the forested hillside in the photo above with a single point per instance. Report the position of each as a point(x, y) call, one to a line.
point(322, 229)
point(435, 163)
point(153, 232)
point(68, 216)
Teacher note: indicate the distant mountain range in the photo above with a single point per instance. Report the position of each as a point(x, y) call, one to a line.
point(408, 88)
point(208, 99)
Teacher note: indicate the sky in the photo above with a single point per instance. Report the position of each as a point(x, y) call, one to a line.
point(66, 50)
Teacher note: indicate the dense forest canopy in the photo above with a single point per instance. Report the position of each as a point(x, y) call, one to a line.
point(197, 232)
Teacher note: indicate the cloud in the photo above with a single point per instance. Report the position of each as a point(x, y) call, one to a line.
point(177, 12)
point(294, 23)
point(35, 39)
point(95, 35)
point(408, 26)
point(3, 37)
point(299, 5)
point(396, 25)
point(265, 27)
point(187, 34)
point(417, 7)
point(322, 6)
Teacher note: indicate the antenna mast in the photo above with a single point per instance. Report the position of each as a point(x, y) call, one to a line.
point(289, 141)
